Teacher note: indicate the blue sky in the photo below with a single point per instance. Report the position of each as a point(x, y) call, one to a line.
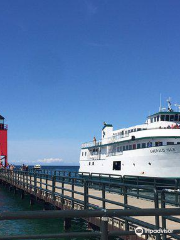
point(66, 66)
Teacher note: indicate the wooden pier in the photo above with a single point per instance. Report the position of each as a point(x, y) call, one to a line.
point(68, 191)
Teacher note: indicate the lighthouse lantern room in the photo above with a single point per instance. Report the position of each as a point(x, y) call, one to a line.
point(3, 143)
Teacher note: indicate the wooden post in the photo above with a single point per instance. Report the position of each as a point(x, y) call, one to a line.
point(35, 183)
point(23, 183)
point(62, 191)
point(163, 205)
point(30, 186)
point(46, 186)
point(137, 187)
point(125, 203)
point(176, 194)
point(104, 228)
point(22, 194)
point(85, 194)
point(72, 194)
point(53, 187)
point(15, 191)
point(67, 223)
point(31, 202)
point(156, 205)
point(103, 196)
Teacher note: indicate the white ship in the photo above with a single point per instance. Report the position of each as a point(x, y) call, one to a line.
point(151, 149)
point(37, 167)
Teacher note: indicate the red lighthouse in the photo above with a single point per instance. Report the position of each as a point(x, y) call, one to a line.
point(3, 143)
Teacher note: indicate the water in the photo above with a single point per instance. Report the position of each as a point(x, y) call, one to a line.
point(55, 168)
point(11, 202)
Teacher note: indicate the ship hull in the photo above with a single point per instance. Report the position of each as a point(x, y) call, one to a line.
point(161, 162)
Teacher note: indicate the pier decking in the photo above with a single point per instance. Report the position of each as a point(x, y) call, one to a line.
point(66, 190)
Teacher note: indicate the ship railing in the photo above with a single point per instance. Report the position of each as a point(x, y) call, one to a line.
point(97, 157)
point(114, 154)
point(119, 136)
point(105, 141)
point(116, 138)
point(91, 144)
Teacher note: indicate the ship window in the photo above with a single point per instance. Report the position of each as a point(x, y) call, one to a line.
point(178, 142)
point(151, 120)
point(82, 153)
point(162, 117)
point(149, 144)
point(134, 146)
point(119, 149)
point(89, 163)
point(170, 143)
point(85, 153)
point(167, 117)
point(158, 144)
point(154, 119)
point(171, 117)
point(127, 147)
point(139, 129)
point(176, 117)
point(117, 165)
point(130, 147)
point(138, 146)
point(143, 145)
point(158, 118)
point(92, 163)
point(124, 148)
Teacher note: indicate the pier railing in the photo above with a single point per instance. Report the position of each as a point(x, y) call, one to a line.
point(139, 187)
point(69, 190)
point(173, 183)
point(155, 182)
point(104, 215)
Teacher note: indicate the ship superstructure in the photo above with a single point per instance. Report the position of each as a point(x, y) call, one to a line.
point(151, 149)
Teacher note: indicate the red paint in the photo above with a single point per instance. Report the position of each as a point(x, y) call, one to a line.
point(3, 145)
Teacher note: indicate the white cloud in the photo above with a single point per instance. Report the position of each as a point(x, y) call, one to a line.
point(31, 151)
point(50, 160)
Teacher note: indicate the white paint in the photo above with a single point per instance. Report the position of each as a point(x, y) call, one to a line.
point(152, 161)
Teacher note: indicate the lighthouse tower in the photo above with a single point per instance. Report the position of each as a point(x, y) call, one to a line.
point(3, 143)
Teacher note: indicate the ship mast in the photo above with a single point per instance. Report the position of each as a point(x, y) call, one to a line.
point(169, 105)
point(160, 106)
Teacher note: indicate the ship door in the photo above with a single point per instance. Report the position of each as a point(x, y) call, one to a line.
point(116, 165)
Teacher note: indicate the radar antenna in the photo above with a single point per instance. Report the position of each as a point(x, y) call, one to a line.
point(160, 106)
point(177, 106)
point(169, 105)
